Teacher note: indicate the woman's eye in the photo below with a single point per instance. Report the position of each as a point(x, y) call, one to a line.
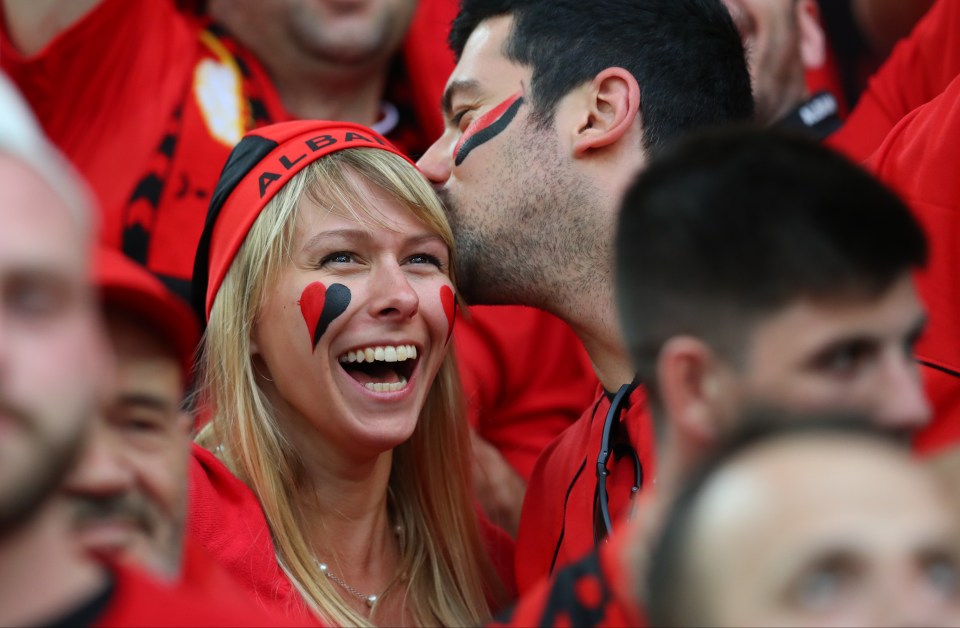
point(425, 258)
point(340, 257)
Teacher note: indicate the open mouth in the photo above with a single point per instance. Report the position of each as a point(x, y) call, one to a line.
point(381, 368)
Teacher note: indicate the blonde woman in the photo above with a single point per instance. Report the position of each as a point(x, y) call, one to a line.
point(339, 479)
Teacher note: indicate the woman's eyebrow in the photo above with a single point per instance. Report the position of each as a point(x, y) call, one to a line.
point(340, 235)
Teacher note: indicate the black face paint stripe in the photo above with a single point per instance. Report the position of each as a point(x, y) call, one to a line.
point(486, 134)
point(336, 303)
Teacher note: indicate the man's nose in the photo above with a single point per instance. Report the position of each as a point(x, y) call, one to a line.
point(102, 468)
point(904, 403)
point(437, 162)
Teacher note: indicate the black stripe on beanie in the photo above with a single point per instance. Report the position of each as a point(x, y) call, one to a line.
point(243, 158)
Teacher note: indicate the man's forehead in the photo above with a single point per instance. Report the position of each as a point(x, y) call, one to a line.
point(897, 311)
point(483, 65)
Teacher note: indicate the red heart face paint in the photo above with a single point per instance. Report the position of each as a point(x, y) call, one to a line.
point(449, 303)
point(487, 127)
point(321, 305)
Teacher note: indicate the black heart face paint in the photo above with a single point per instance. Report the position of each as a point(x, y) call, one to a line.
point(487, 127)
point(321, 305)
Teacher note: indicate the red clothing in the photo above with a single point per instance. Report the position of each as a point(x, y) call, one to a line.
point(147, 102)
point(226, 519)
point(919, 68)
point(920, 159)
point(557, 522)
point(526, 378)
point(137, 600)
point(593, 591)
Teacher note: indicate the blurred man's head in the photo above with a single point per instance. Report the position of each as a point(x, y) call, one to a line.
point(802, 522)
point(551, 110)
point(53, 356)
point(758, 268)
point(129, 490)
point(783, 40)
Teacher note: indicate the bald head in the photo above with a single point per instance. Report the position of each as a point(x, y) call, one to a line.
point(820, 529)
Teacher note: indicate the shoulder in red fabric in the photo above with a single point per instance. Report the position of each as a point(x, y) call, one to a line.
point(558, 525)
point(919, 159)
point(137, 600)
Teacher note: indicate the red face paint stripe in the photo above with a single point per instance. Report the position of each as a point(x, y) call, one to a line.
point(449, 302)
point(487, 126)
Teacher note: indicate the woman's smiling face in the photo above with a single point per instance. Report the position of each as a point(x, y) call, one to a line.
point(353, 331)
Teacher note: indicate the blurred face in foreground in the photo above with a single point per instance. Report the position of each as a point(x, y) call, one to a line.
point(818, 531)
point(53, 356)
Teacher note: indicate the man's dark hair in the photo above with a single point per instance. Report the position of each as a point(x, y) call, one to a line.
point(733, 225)
point(686, 55)
point(667, 583)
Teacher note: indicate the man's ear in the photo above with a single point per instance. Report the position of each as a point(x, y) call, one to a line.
point(690, 386)
point(813, 41)
point(611, 106)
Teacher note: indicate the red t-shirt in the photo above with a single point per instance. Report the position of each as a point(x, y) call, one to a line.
point(225, 517)
point(919, 68)
point(557, 522)
point(920, 159)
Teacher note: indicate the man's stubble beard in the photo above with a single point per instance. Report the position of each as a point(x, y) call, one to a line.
point(55, 455)
point(536, 239)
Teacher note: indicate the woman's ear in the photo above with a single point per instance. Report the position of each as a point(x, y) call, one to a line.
point(610, 106)
point(690, 381)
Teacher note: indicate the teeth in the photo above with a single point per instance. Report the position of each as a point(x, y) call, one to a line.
point(398, 353)
point(381, 387)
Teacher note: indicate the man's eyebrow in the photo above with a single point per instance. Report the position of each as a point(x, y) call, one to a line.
point(461, 86)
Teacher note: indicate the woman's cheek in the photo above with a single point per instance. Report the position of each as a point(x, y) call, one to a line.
point(320, 305)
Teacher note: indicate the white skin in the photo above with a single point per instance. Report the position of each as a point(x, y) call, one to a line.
point(129, 489)
point(824, 531)
point(54, 371)
point(783, 39)
point(533, 210)
point(853, 354)
point(344, 432)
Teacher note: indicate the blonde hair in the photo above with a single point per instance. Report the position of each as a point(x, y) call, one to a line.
point(449, 575)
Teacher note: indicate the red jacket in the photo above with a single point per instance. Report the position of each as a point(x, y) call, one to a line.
point(919, 69)
point(920, 159)
point(594, 591)
point(138, 600)
point(557, 523)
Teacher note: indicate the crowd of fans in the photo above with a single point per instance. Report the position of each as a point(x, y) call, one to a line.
point(479, 312)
